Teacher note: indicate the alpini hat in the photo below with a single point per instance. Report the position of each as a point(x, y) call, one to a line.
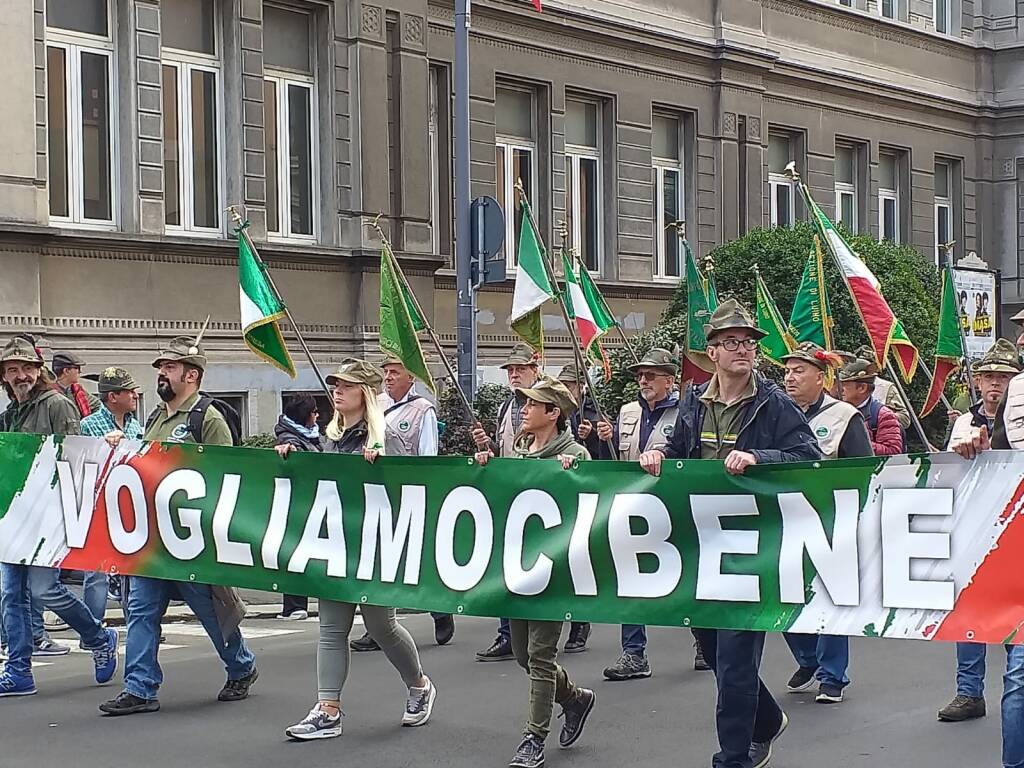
point(355, 371)
point(658, 358)
point(859, 370)
point(548, 390)
point(570, 374)
point(731, 316)
point(1001, 357)
point(815, 355)
point(521, 354)
point(115, 380)
point(19, 350)
point(183, 349)
point(390, 358)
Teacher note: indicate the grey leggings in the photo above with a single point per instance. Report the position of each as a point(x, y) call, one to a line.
point(332, 652)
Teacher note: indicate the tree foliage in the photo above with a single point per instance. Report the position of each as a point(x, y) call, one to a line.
point(457, 439)
point(910, 283)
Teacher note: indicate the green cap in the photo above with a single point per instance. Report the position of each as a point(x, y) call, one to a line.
point(659, 358)
point(731, 316)
point(67, 360)
point(18, 350)
point(864, 352)
point(183, 349)
point(391, 359)
point(115, 380)
point(548, 390)
point(355, 371)
point(521, 354)
point(811, 353)
point(1001, 357)
point(570, 374)
point(859, 370)
point(846, 357)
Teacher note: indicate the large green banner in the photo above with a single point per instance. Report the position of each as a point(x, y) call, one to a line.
point(921, 547)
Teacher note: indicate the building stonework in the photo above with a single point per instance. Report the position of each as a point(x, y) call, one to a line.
point(127, 134)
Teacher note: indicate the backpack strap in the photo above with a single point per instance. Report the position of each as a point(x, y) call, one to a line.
point(874, 411)
point(153, 416)
point(196, 417)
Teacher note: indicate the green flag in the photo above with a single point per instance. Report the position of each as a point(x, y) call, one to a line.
point(397, 326)
point(778, 342)
point(414, 315)
point(533, 288)
point(711, 289)
point(697, 309)
point(811, 319)
point(949, 347)
point(261, 309)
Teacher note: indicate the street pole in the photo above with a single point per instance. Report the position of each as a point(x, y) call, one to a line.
point(465, 317)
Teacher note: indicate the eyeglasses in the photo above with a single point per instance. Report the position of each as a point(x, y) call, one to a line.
point(731, 345)
point(648, 375)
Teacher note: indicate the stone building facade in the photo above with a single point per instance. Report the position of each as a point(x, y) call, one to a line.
point(130, 125)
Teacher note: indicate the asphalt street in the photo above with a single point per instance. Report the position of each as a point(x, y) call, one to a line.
point(888, 718)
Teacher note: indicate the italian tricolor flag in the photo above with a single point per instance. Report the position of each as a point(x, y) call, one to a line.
point(261, 309)
point(884, 329)
point(533, 287)
point(585, 305)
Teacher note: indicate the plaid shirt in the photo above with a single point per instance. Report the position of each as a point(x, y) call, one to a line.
point(102, 423)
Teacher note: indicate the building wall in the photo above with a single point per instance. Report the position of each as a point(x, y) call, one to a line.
point(734, 72)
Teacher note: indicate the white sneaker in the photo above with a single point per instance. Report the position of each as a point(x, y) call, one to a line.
point(316, 725)
point(294, 616)
point(419, 705)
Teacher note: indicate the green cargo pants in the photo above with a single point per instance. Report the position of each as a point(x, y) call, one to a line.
point(535, 645)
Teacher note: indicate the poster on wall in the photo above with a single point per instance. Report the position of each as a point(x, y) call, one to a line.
point(979, 312)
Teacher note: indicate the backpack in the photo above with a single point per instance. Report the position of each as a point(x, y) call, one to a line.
point(198, 413)
point(874, 409)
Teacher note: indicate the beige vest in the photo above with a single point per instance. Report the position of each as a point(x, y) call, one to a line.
point(829, 425)
point(962, 428)
point(629, 431)
point(404, 424)
point(1013, 412)
point(506, 432)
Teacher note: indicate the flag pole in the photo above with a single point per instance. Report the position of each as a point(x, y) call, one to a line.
point(242, 231)
point(581, 361)
point(792, 173)
point(375, 225)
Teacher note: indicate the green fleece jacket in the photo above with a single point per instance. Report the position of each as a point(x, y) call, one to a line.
point(562, 444)
point(47, 413)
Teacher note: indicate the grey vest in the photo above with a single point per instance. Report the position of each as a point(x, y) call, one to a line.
point(630, 417)
point(404, 424)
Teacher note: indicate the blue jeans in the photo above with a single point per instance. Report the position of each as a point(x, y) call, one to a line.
point(830, 654)
point(634, 639)
point(94, 593)
point(970, 669)
point(1013, 708)
point(147, 603)
point(24, 585)
point(746, 711)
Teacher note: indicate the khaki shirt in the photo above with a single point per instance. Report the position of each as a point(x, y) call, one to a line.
point(173, 427)
point(722, 421)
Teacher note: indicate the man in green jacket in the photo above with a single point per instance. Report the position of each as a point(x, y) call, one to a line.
point(545, 434)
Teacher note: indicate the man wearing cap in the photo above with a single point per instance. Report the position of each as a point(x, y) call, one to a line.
point(643, 425)
point(522, 371)
point(992, 374)
point(1007, 434)
point(885, 391)
point(857, 383)
point(411, 420)
point(181, 367)
point(545, 435)
point(584, 419)
point(67, 367)
point(841, 434)
point(36, 407)
point(119, 403)
point(742, 419)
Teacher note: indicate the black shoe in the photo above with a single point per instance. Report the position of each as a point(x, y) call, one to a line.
point(829, 694)
point(364, 644)
point(628, 667)
point(761, 751)
point(801, 680)
point(576, 711)
point(500, 650)
point(962, 708)
point(236, 690)
point(579, 633)
point(127, 704)
point(699, 662)
point(444, 629)
point(530, 753)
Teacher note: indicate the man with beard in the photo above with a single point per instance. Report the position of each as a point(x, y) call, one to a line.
point(218, 609)
point(67, 367)
point(36, 407)
point(522, 371)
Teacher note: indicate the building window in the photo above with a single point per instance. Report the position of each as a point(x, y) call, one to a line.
point(783, 193)
point(846, 3)
point(889, 198)
point(393, 93)
point(324, 405)
point(667, 161)
point(80, 112)
point(515, 158)
point(888, 9)
point(240, 402)
point(941, 15)
point(439, 146)
point(846, 186)
point(583, 180)
point(193, 127)
point(943, 209)
point(289, 106)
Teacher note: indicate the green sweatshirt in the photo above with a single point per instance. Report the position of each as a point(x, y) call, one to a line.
point(562, 444)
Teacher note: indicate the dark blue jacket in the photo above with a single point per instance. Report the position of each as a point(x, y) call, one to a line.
point(651, 416)
point(773, 428)
point(597, 448)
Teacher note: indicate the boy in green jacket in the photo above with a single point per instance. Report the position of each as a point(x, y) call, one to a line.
point(544, 434)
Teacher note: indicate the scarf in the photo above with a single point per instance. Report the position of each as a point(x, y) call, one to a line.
point(310, 433)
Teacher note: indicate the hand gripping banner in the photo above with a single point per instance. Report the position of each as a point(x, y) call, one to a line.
point(921, 547)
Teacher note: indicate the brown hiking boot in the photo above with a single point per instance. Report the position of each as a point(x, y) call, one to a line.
point(962, 708)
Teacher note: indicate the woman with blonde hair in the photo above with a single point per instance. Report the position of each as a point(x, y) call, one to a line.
point(358, 427)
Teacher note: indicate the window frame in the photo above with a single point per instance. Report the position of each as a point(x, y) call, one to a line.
point(438, 106)
point(947, 204)
point(777, 180)
point(895, 10)
point(660, 166)
point(845, 188)
point(510, 145)
point(574, 154)
point(890, 194)
point(283, 79)
point(947, 18)
point(189, 61)
point(75, 44)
